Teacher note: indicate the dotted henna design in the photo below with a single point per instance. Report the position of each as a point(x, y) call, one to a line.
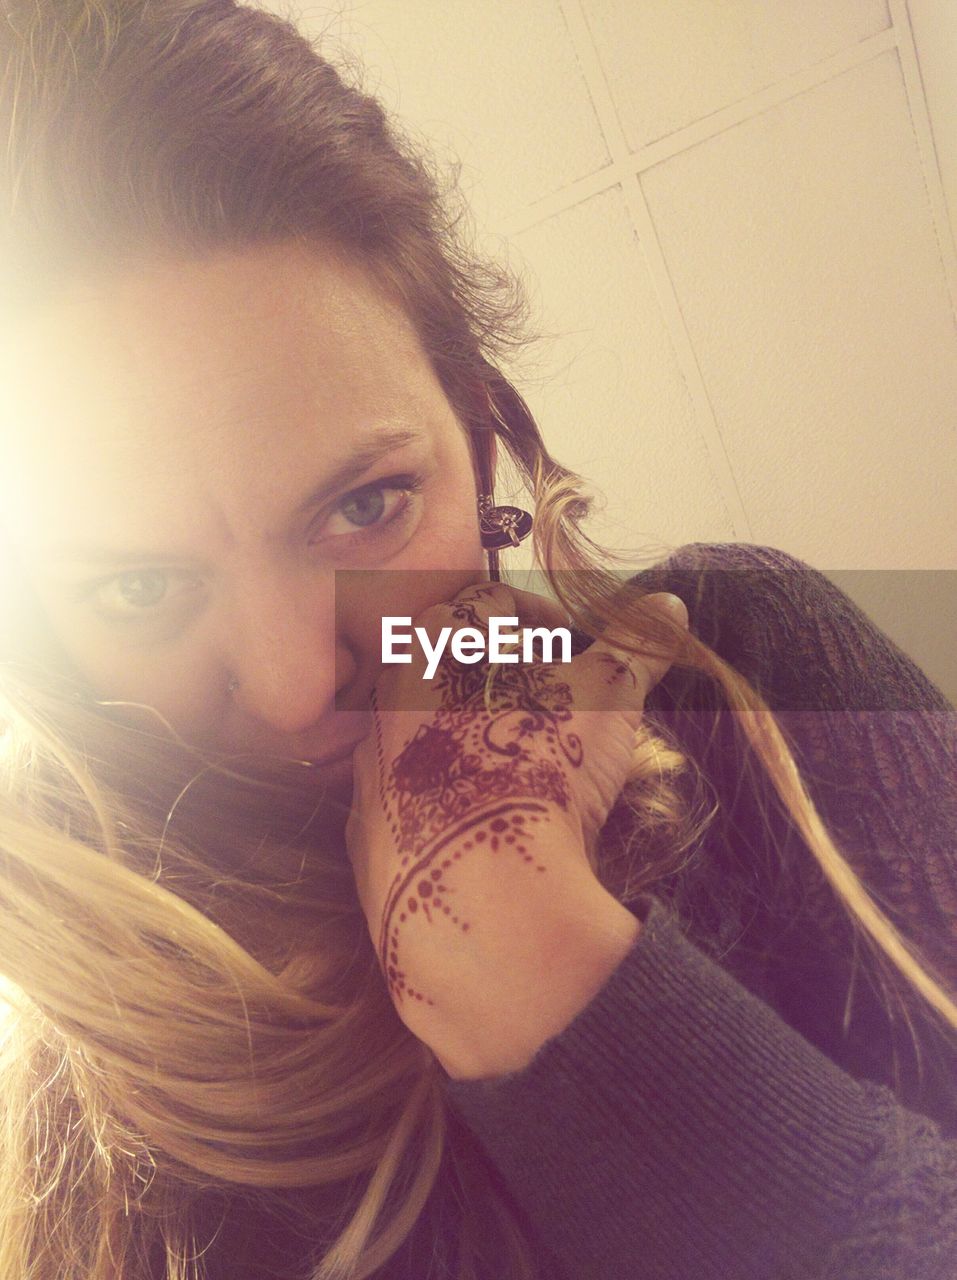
point(421, 887)
point(475, 781)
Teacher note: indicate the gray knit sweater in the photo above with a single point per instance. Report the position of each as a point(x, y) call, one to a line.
point(736, 1103)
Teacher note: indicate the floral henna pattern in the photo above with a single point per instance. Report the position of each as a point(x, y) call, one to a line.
point(476, 781)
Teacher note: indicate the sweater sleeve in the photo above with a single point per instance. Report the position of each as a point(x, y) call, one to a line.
point(876, 745)
point(680, 1126)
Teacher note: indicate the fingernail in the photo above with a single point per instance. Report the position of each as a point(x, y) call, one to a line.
point(675, 606)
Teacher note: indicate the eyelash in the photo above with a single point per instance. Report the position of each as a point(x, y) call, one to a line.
point(407, 485)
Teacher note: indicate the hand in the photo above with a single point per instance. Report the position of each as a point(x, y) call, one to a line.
point(476, 802)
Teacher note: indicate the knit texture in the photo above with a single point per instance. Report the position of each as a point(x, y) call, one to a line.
point(738, 1101)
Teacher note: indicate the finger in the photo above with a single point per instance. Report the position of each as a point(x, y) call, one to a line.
point(477, 604)
point(497, 599)
point(525, 612)
point(472, 606)
point(609, 669)
point(539, 611)
point(614, 675)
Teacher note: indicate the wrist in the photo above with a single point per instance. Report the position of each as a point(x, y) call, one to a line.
point(576, 951)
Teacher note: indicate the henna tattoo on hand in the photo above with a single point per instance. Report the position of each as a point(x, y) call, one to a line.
point(620, 671)
point(475, 781)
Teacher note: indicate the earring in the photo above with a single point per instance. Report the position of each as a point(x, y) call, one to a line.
point(502, 526)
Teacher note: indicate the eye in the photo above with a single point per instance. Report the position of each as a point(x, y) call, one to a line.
point(373, 507)
point(141, 587)
point(365, 506)
point(140, 594)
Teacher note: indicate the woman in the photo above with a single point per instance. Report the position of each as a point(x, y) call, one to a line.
point(243, 351)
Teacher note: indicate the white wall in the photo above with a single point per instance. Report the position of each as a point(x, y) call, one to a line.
point(934, 23)
point(732, 220)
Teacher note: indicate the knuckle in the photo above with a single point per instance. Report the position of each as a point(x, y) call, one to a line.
point(486, 598)
point(434, 618)
point(613, 676)
point(473, 606)
point(619, 668)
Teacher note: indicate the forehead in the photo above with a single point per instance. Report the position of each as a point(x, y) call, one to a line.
point(136, 387)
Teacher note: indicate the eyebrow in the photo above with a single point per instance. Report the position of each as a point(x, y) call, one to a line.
point(358, 462)
point(365, 455)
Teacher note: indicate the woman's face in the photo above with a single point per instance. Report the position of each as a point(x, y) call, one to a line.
point(198, 446)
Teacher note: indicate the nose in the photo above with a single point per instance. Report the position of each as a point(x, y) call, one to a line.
point(286, 658)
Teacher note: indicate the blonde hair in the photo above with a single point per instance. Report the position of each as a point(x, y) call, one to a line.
point(198, 1024)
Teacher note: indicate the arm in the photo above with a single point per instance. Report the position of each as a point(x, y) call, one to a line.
point(679, 1127)
point(752, 1153)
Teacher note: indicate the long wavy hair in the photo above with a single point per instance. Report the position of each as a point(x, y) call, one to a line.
point(198, 1033)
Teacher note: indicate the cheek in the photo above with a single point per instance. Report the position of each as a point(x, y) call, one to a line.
point(443, 557)
point(182, 687)
point(447, 539)
point(181, 693)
